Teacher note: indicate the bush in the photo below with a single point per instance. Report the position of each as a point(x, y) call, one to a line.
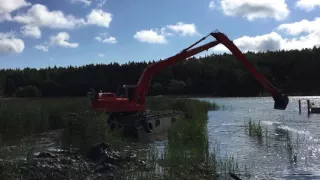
point(27, 91)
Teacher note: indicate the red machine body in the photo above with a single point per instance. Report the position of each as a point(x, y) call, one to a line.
point(133, 98)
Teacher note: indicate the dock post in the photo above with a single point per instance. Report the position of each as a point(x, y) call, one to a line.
point(299, 106)
point(308, 101)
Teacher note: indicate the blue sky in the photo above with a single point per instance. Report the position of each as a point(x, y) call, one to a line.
point(35, 33)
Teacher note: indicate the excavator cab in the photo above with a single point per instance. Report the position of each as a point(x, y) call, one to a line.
point(126, 91)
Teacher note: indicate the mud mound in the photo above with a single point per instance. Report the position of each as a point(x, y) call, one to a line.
point(100, 162)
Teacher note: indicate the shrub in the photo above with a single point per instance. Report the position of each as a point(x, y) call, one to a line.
point(27, 91)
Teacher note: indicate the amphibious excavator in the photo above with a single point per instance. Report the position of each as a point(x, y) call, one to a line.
point(128, 108)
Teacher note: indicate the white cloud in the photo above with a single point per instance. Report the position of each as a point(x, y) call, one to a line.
point(8, 6)
point(310, 28)
point(104, 38)
point(5, 17)
point(150, 36)
point(61, 39)
point(101, 55)
point(308, 5)
point(111, 40)
point(275, 41)
point(303, 26)
point(101, 3)
point(183, 29)
point(85, 2)
point(43, 48)
point(256, 9)
point(158, 36)
point(40, 16)
point(262, 43)
point(308, 41)
point(212, 5)
point(31, 31)
point(10, 45)
point(99, 18)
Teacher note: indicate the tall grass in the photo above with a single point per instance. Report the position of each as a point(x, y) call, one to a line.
point(191, 107)
point(83, 129)
point(280, 138)
point(28, 116)
point(25, 117)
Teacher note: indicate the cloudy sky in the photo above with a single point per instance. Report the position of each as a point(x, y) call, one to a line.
point(39, 33)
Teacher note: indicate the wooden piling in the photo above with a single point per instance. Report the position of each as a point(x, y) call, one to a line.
point(299, 106)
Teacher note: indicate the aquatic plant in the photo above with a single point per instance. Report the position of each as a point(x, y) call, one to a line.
point(254, 129)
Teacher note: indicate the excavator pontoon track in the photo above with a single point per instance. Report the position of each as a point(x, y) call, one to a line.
point(146, 121)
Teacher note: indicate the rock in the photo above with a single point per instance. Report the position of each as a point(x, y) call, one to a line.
point(105, 167)
point(46, 155)
point(132, 156)
point(234, 176)
point(97, 151)
point(142, 162)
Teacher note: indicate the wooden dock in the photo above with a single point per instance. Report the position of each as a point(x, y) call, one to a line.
point(315, 109)
point(310, 107)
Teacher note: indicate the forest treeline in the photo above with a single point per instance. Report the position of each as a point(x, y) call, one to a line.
point(294, 72)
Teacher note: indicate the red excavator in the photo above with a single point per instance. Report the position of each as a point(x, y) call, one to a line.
point(127, 107)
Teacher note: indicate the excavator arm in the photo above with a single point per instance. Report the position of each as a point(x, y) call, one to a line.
point(141, 90)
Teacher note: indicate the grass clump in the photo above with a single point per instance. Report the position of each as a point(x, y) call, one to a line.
point(83, 129)
point(254, 129)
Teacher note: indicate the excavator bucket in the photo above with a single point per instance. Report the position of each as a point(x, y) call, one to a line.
point(280, 101)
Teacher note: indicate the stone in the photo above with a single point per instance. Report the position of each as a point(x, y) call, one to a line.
point(46, 155)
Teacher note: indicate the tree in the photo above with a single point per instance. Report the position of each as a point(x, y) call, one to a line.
point(157, 88)
point(27, 91)
point(294, 71)
point(176, 86)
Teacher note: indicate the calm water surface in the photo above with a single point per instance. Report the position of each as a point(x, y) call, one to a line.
point(272, 159)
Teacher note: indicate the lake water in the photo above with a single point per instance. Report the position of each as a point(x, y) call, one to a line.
point(275, 159)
